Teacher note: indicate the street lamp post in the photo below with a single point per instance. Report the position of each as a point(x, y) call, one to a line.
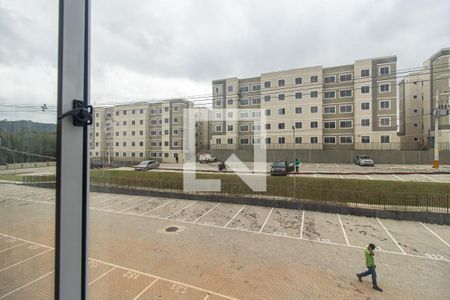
point(438, 112)
point(295, 166)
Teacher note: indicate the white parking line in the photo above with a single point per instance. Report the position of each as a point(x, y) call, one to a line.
point(370, 178)
point(27, 241)
point(398, 177)
point(343, 230)
point(25, 285)
point(144, 290)
point(24, 260)
point(103, 275)
point(392, 238)
point(94, 205)
point(435, 234)
point(228, 223)
point(133, 206)
point(181, 210)
point(268, 216)
point(112, 205)
point(206, 297)
point(341, 177)
point(315, 175)
point(301, 227)
point(20, 244)
point(167, 203)
point(206, 213)
point(431, 178)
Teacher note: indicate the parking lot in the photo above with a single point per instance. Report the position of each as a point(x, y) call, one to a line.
point(218, 250)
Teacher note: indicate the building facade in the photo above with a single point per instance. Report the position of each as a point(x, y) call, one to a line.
point(344, 107)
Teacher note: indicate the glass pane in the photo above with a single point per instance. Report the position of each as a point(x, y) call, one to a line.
point(28, 76)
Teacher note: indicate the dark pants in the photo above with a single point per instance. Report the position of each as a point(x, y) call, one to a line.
point(296, 168)
point(370, 271)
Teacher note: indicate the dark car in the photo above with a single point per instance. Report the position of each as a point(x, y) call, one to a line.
point(281, 168)
point(146, 165)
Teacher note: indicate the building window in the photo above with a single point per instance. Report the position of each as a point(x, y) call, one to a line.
point(365, 139)
point(298, 110)
point(244, 89)
point(298, 139)
point(385, 121)
point(124, 133)
point(141, 144)
point(314, 79)
point(385, 70)
point(166, 120)
point(124, 154)
point(345, 77)
point(314, 94)
point(218, 116)
point(244, 141)
point(298, 95)
point(117, 133)
point(345, 108)
point(329, 94)
point(124, 112)
point(314, 109)
point(141, 122)
point(385, 104)
point(346, 140)
point(124, 123)
point(345, 93)
point(268, 126)
point(281, 97)
point(218, 141)
point(230, 101)
point(385, 87)
point(124, 144)
point(133, 133)
point(365, 105)
point(365, 73)
point(256, 87)
point(229, 141)
point(133, 111)
point(268, 112)
point(329, 79)
point(243, 128)
point(314, 140)
point(281, 111)
point(365, 89)
point(243, 115)
point(281, 125)
point(329, 140)
point(230, 128)
point(133, 144)
point(385, 139)
point(298, 80)
point(281, 82)
point(281, 140)
point(268, 140)
point(329, 124)
point(267, 84)
point(141, 132)
point(314, 124)
point(345, 124)
point(117, 113)
point(243, 102)
point(166, 143)
point(218, 102)
point(267, 98)
point(365, 122)
point(230, 88)
point(329, 109)
point(298, 125)
point(175, 143)
point(256, 101)
point(218, 128)
point(256, 127)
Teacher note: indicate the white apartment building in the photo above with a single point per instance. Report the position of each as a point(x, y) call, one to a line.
point(344, 107)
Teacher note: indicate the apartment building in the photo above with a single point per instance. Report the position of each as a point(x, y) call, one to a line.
point(139, 131)
point(344, 107)
point(417, 98)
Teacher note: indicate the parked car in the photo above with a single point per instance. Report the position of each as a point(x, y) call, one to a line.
point(281, 168)
point(364, 160)
point(146, 165)
point(206, 158)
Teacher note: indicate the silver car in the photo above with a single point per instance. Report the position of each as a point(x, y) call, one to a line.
point(364, 160)
point(146, 165)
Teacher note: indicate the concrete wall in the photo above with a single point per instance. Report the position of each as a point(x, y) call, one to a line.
point(340, 156)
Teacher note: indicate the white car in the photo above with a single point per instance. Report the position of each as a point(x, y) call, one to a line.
point(364, 160)
point(146, 165)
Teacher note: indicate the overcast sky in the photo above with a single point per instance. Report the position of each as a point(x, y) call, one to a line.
point(144, 50)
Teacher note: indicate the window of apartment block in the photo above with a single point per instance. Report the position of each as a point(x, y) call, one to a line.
point(96, 144)
point(314, 79)
point(314, 109)
point(133, 144)
point(229, 101)
point(267, 98)
point(329, 94)
point(218, 128)
point(218, 116)
point(124, 133)
point(124, 112)
point(346, 108)
point(329, 124)
point(218, 102)
point(385, 70)
point(117, 154)
point(365, 139)
point(268, 126)
point(314, 124)
point(268, 140)
point(175, 120)
point(218, 141)
point(256, 87)
point(229, 115)
point(256, 127)
point(117, 113)
point(256, 101)
point(166, 132)
point(298, 140)
point(267, 84)
point(281, 111)
point(385, 139)
point(365, 72)
point(346, 140)
point(141, 154)
point(124, 144)
point(96, 134)
point(268, 112)
point(281, 82)
point(166, 144)
point(124, 123)
point(281, 97)
point(117, 133)
point(141, 111)
point(153, 132)
point(314, 140)
point(314, 94)
point(345, 124)
point(281, 125)
point(329, 79)
point(244, 89)
point(415, 110)
point(124, 154)
point(141, 122)
point(244, 141)
point(385, 121)
point(153, 122)
point(230, 128)
point(365, 105)
point(281, 140)
point(329, 140)
point(117, 144)
point(365, 89)
point(141, 144)
point(97, 124)
point(385, 87)
point(298, 110)
point(298, 80)
point(133, 111)
point(329, 109)
point(385, 104)
point(230, 88)
point(415, 124)
point(159, 121)
point(243, 102)
point(166, 120)
point(216, 89)
point(243, 128)
point(298, 95)
point(243, 115)
point(175, 143)
point(298, 125)
point(365, 122)
point(345, 93)
point(345, 77)
point(229, 141)
point(133, 133)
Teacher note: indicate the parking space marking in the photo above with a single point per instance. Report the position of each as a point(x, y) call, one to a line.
point(103, 275)
point(12, 247)
point(189, 205)
point(114, 204)
point(370, 178)
point(303, 222)
point(25, 260)
point(398, 177)
point(162, 205)
point(231, 220)
point(435, 234)
point(268, 216)
point(198, 219)
point(343, 230)
point(25, 285)
point(431, 178)
point(390, 235)
point(144, 290)
point(341, 177)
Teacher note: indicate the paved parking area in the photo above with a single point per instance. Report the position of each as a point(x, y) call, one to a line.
point(129, 220)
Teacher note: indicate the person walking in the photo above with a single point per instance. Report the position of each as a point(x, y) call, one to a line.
point(370, 263)
point(297, 165)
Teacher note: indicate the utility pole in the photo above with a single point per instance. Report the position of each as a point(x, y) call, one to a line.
point(438, 112)
point(295, 167)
